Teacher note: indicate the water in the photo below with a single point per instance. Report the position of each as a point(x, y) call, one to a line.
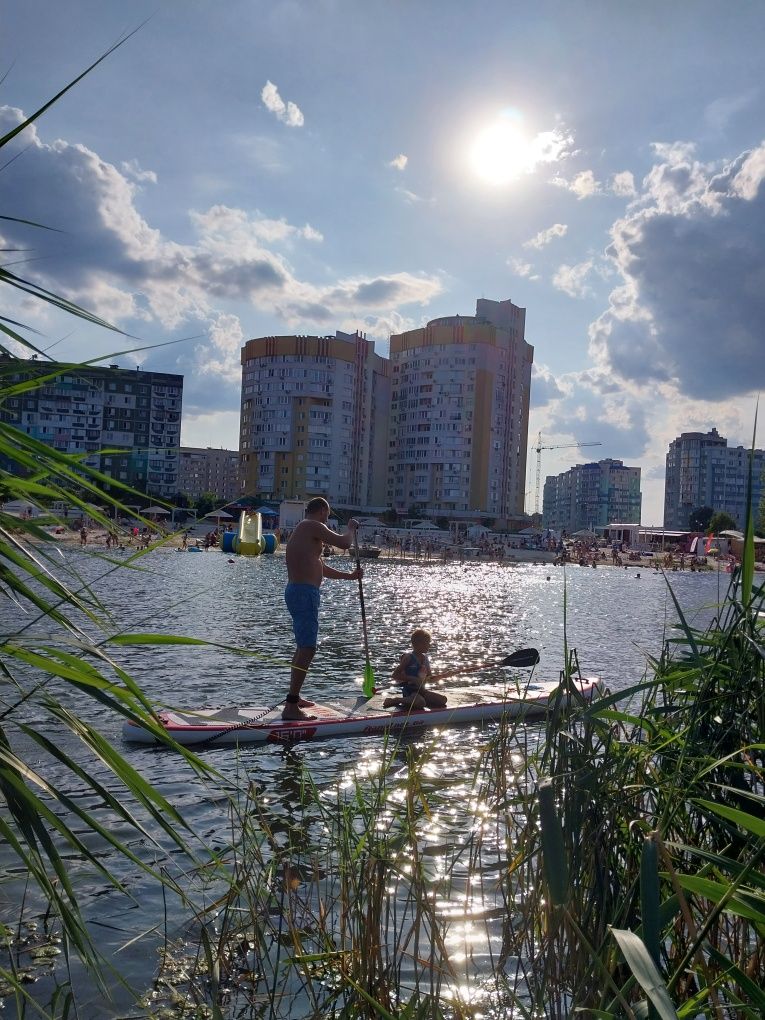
point(475, 612)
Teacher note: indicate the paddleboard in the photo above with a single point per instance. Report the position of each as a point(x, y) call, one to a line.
point(253, 724)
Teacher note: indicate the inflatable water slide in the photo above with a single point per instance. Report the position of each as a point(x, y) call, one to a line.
point(249, 539)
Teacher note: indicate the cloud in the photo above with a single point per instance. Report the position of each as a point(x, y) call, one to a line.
point(132, 169)
point(521, 268)
point(107, 257)
point(572, 280)
point(199, 425)
point(583, 185)
point(544, 388)
point(244, 229)
point(623, 184)
point(721, 111)
point(593, 410)
point(550, 147)
point(691, 302)
point(287, 113)
point(412, 197)
point(399, 163)
point(545, 236)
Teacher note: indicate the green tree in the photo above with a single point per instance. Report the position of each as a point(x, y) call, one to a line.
point(207, 501)
point(700, 518)
point(721, 521)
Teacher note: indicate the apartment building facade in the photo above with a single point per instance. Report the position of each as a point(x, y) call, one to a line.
point(459, 413)
point(207, 469)
point(702, 470)
point(125, 422)
point(588, 496)
point(314, 419)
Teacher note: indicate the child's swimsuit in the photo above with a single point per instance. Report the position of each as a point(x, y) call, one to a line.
point(412, 670)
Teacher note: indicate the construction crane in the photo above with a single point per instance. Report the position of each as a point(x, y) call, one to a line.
point(539, 448)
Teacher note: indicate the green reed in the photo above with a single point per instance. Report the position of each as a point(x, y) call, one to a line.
point(612, 864)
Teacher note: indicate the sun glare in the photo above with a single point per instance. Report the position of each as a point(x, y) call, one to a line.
point(500, 153)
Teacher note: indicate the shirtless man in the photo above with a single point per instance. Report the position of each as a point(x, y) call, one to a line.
point(305, 572)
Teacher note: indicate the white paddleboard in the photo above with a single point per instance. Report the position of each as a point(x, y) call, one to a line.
point(253, 724)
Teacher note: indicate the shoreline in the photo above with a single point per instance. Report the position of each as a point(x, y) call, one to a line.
point(97, 540)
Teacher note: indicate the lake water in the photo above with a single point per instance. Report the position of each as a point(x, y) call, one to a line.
point(475, 612)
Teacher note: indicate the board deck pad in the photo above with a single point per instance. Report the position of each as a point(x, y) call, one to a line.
point(339, 717)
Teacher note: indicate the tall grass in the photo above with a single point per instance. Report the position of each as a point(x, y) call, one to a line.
point(611, 866)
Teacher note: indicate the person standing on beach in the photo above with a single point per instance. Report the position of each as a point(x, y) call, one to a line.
point(305, 572)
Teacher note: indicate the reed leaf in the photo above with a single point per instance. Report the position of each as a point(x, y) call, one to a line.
point(553, 856)
point(649, 897)
point(740, 902)
point(748, 822)
point(646, 974)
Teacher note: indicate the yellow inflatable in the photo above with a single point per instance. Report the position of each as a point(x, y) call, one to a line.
point(249, 540)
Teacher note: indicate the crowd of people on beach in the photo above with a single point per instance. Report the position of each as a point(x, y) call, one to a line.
point(422, 547)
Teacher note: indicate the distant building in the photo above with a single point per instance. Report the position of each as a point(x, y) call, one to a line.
point(590, 496)
point(459, 413)
point(206, 469)
point(314, 419)
point(702, 470)
point(126, 423)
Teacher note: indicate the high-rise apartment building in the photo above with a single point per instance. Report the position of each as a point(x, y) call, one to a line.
point(126, 423)
point(460, 412)
point(314, 419)
point(588, 496)
point(206, 469)
point(703, 471)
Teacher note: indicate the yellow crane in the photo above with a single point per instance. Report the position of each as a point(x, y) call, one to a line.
point(539, 448)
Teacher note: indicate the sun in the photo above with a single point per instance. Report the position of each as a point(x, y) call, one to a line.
point(501, 153)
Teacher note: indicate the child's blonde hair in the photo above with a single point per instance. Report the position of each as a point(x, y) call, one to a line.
point(419, 635)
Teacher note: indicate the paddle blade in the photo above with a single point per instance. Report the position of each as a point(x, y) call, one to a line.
point(524, 657)
point(369, 681)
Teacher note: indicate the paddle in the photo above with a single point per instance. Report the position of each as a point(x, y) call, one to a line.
point(522, 659)
point(369, 677)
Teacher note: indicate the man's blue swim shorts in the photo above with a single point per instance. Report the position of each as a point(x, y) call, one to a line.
point(303, 603)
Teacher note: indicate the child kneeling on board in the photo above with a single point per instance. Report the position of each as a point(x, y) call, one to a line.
point(412, 673)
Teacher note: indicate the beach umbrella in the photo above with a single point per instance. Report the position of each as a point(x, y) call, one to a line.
point(266, 511)
point(155, 511)
point(219, 515)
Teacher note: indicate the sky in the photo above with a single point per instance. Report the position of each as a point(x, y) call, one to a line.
point(250, 168)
